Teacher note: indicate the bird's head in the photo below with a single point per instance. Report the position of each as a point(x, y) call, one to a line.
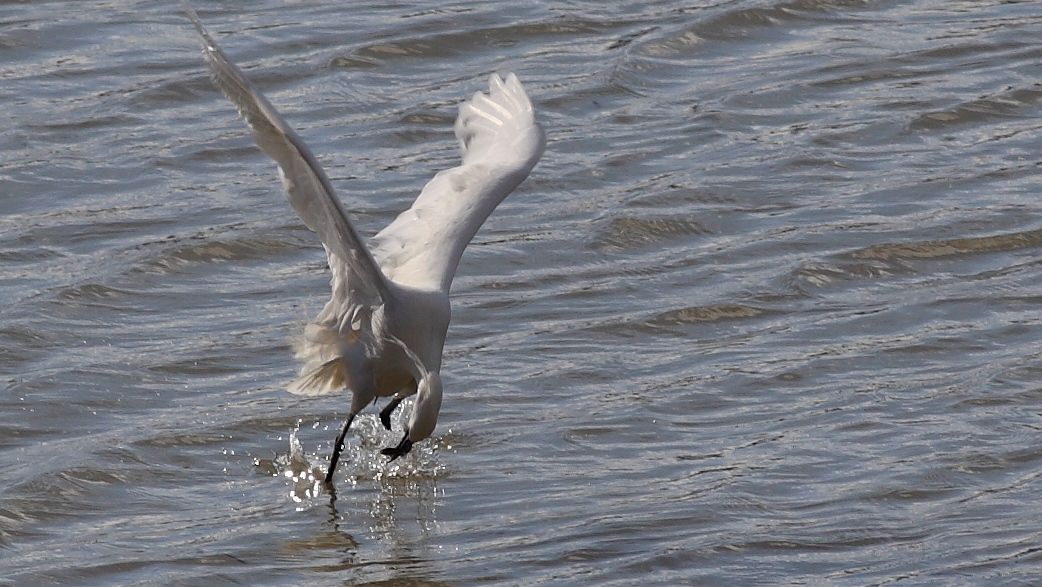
point(425, 411)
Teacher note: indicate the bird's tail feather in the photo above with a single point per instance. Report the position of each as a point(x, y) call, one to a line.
point(328, 377)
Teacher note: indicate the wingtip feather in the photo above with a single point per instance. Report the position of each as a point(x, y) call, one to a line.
point(488, 118)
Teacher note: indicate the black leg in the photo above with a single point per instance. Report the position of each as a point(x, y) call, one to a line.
point(336, 450)
point(403, 448)
point(385, 414)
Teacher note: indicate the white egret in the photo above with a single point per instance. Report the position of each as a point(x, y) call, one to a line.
point(382, 332)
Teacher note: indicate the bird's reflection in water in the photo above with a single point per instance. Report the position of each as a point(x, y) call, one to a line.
point(391, 507)
point(405, 502)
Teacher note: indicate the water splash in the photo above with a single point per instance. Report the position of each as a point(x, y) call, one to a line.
point(361, 461)
point(306, 479)
point(368, 437)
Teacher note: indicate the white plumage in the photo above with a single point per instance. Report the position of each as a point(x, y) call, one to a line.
point(382, 331)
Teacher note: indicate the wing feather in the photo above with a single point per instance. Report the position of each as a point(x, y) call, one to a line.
point(356, 277)
point(500, 143)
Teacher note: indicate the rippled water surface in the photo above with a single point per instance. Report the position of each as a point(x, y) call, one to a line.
point(768, 312)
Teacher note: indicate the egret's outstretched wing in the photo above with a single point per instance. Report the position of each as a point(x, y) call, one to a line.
point(307, 187)
point(500, 142)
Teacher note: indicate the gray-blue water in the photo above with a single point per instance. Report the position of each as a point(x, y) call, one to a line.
point(768, 312)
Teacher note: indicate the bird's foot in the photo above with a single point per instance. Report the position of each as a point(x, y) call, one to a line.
point(403, 448)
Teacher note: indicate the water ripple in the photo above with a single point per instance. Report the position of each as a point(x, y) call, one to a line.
point(766, 312)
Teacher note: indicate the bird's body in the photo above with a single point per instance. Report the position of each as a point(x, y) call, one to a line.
point(383, 330)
